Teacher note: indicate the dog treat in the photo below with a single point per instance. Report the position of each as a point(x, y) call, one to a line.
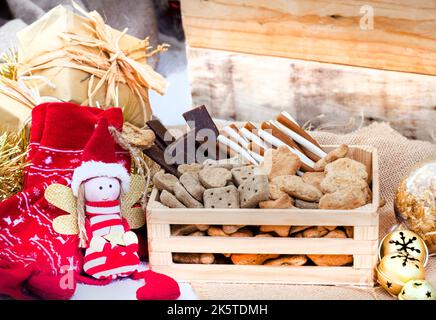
point(182, 229)
point(336, 233)
point(202, 227)
point(336, 182)
point(349, 231)
point(225, 197)
point(350, 198)
point(157, 204)
point(140, 138)
point(284, 202)
point(158, 155)
point(252, 259)
point(250, 133)
point(306, 204)
point(162, 134)
point(244, 232)
point(229, 229)
point(298, 134)
point(253, 191)
point(216, 231)
point(306, 163)
point(214, 177)
point(296, 187)
point(263, 235)
point(275, 192)
point(234, 134)
point(332, 260)
point(230, 163)
point(165, 181)
point(314, 178)
point(170, 200)
point(241, 174)
point(347, 166)
point(189, 168)
point(281, 231)
point(333, 155)
point(179, 151)
point(191, 183)
point(184, 197)
point(254, 147)
point(209, 163)
point(199, 118)
point(315, 232)
point(280, 162)
point(236, 148)
point(194, 258)
point(287, 260)
point(276, 132)
point(197, 234)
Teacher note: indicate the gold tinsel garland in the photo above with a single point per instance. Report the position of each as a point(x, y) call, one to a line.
point(8, 64)
point(13, 150)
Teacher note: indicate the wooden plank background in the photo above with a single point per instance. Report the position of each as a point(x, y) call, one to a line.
point(401, 36)
point(237, 86)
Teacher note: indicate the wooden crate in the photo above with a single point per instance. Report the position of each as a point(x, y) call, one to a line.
point(311, 58)
point(363, 246)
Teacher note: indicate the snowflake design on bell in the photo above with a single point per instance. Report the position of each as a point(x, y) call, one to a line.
point(75, 160)
point(407, 258)
point(406, 246)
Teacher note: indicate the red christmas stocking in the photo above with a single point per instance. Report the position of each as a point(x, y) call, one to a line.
point(33, 257)
point(157, 286)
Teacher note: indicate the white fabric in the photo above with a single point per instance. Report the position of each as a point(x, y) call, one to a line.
point(93, 169)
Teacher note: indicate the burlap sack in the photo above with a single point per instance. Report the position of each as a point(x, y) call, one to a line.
point(396, 155)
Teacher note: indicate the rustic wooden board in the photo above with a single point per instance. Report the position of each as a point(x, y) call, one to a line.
point(237, 86)
point(401, 35)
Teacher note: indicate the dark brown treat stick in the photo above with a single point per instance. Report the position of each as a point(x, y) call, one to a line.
point(183, 149)
point(158, 156)
point(199, 118)
point(160, 144)
point(161, 132)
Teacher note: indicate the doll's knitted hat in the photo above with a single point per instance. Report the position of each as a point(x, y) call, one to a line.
point(99, 160)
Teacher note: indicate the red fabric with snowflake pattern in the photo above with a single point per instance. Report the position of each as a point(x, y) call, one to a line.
point(30, 250)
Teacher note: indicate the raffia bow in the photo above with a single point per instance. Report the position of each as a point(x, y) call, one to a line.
point(115, 66)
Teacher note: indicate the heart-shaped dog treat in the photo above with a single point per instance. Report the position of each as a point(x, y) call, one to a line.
point(214, 177)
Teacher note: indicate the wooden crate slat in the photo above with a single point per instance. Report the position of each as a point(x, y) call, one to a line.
point(257, 217)
point(365, 261)
point(333, 32)
point(366, 232)
point(266, 274)
point(265, 245)
point(160, 258)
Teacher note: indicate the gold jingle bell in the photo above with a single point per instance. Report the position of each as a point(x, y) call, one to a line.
point(404, 241)
point(395, 269)
point(417, 290)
